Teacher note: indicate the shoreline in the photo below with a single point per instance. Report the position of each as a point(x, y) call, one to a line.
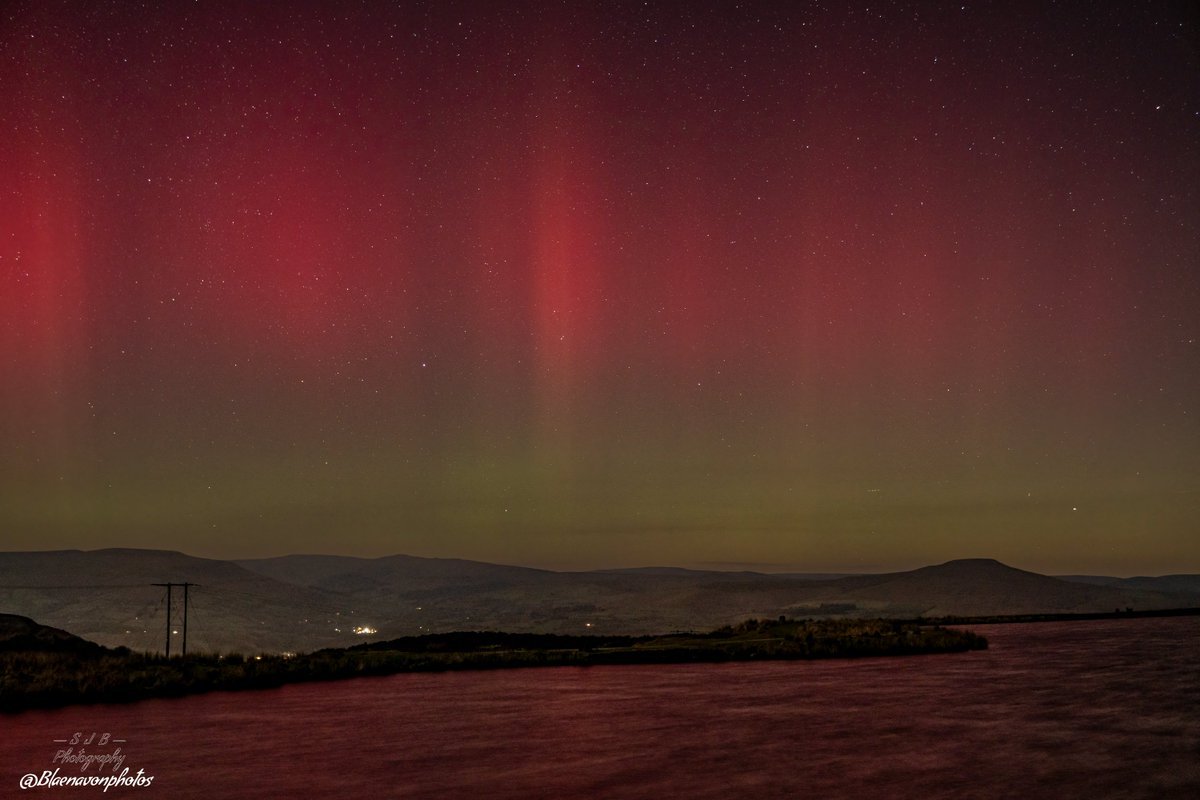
point(42, 680)
point(1008, 619)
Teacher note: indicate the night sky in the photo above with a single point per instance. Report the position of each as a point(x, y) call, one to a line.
point(782, 286)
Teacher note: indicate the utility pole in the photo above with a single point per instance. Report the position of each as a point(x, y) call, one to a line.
point(169, 586)
point(185, 607)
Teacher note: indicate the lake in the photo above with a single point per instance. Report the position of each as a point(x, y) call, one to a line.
point(1096, 709)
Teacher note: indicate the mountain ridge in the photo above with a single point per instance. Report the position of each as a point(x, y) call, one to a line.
point(307, 601)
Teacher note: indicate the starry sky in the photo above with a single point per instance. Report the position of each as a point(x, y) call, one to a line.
point(781, 286)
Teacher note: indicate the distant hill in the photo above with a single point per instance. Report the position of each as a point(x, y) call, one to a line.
point(305, 602)
point(985, 586)
point(407, 573)
point(107, 596)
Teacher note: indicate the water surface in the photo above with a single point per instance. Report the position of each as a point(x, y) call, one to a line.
point(1098, 709)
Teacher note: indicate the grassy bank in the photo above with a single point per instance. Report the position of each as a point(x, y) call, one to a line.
point(31, 679)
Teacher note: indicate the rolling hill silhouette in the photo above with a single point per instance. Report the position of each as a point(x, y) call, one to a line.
point(304, 602)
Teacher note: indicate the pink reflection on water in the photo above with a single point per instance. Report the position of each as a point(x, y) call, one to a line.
point(1092, 709)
